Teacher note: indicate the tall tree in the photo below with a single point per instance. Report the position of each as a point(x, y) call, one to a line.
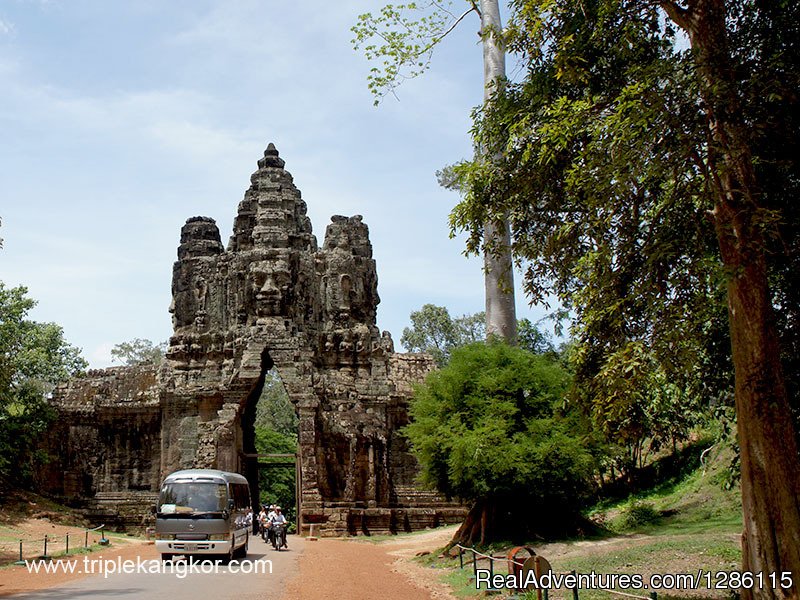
point(769, 459)
point(498, 267)
point(34, 358)
point(139, 351)
point(488, 428)
point(404, 47)
point(641, 155)
point(435, 332)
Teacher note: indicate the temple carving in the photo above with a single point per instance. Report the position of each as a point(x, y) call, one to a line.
point(271, 299)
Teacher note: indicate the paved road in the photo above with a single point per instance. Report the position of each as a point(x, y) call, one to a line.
point(194, 585)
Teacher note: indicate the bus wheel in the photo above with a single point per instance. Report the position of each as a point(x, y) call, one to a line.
point(166, 557)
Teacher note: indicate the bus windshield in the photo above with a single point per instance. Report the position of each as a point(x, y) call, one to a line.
point(188, 498)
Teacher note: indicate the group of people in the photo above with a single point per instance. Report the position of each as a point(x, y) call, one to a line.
point(269, 516)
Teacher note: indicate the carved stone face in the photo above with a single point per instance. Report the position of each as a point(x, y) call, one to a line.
point(270, 280)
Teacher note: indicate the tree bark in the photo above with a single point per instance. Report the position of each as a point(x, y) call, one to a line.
point(769, 461)
point(470, 532)
point(479, 525)
point(501, 318)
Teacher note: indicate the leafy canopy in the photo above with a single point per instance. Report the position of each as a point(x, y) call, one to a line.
point(139, 352)
point(489, 424)
point(401, 40)
point(601, 168)
point(276, 433)
point(274, 410)
point(435, 332)
point(34, 359)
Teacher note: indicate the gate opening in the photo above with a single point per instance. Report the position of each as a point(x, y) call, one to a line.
point(270, 443)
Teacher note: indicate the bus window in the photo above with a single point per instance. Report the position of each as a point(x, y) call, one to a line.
point(241, 496)
point(192, 497)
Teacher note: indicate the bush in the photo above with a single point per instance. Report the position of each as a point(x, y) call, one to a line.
point(638, 513)
point(489, 427)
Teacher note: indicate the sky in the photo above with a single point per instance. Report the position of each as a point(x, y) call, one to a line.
point(120, 120)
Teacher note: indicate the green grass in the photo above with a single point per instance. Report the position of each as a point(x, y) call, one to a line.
point(696, 503)
point(687, 523)
point(378, 538)
point(462, 581)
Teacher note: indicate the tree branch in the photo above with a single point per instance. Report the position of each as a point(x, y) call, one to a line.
point(679, 15)
point(461, 18)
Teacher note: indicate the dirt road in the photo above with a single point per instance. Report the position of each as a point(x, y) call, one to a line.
point(262, 576)
point(360, 570)
point(324, 569)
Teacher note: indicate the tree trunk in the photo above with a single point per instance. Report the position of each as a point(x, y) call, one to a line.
point(769, 461)
point(470, 531)
point(479, 525)
point(515, 517)
point(501, 318)
point(769, 466)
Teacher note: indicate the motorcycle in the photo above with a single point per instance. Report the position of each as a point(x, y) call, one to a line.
point(265, 534)
point(279, 536)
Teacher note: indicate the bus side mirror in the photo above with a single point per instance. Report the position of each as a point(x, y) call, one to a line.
point(154, 509)
point(230, 504)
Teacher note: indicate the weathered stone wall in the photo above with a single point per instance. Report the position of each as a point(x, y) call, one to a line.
point(272, 298)
point(106, 441)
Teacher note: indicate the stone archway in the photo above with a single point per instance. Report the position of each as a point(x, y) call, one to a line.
point(273, 295)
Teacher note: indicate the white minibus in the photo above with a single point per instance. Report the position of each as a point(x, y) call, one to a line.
point(203, 512)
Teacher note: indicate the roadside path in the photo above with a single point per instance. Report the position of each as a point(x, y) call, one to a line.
point(360, 570)
point(311, 570)
point(224, 584)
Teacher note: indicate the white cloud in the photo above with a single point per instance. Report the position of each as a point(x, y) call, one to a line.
point(107, 171)
point(100, 357)
point(6, 27)
point(179, 123)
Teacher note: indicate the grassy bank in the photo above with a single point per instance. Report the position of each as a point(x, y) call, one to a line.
point(687, 523)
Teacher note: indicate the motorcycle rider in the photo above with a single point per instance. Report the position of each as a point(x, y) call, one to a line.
point(262, 522)
point(279, 519)
point(268, 523)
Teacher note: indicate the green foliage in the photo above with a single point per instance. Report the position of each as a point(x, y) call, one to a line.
point(139, 352)
point(533, 339)
point(434, 331)
point(34, 358)
point(600, 165)
point(274, 410)
point(487, 425)
point(401, 38)
point(277, 484)
point(639, 512)
point(693, 498)
point(276, 433)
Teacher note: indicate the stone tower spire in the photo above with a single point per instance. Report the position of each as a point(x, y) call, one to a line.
point(272, 213)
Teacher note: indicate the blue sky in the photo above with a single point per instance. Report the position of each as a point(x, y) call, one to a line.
point(121, 120)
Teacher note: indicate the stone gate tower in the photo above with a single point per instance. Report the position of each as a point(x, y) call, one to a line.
point(272, 298)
